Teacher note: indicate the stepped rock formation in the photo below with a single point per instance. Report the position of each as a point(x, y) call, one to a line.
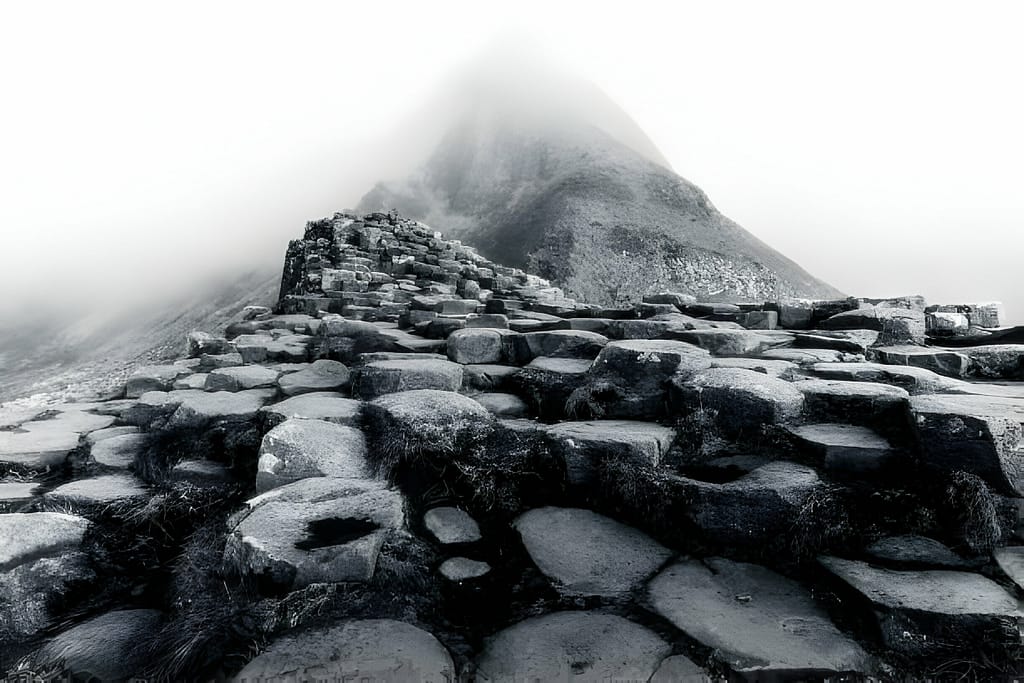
point(547, 173)
point(426, 465)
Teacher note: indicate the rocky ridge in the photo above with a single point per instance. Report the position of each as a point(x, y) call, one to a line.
point(425, 465)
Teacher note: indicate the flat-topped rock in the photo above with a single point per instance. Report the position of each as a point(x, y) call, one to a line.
point(104, 647)
point(26, 537)
point(680, 669)
point(585, 443)
point(196, 380)
point(911, 551)
point(865, 403)
point(628, 378)
point(262, 348)
point(572, 645)
point(110, 432)
point(476, 345)
point(1011, 560)
point(320, 405)
point(427, 423)
point(914, 380)
point(70, 421)
point(299, 448)
point(941, 361)
point(241, 377)
point(995, 361)
point(153, 378)
point(371, 649)
point(198, 409)
point(118, 451)
point(742, 400)
point(924, 611)
point(460, 569)
point(321, 375)
point(16, 492)
point(201, 473)
point(805, 357)
point(488, 377)
point(314, 530)
point(846, 341)
point(392, 376)
point(726, 342)
point(783, 369)
point(979, 434)
point(451, 525)
point(759, 504)
point(584, 553)
point(843, 448)
point(558, 344)
point(758, 623)
point(503, 405)
point(106, 488)
point(36, 450)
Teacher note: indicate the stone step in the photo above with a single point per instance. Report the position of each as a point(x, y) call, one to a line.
point(843, 449)
point(583, 445)
point(390, 376)
point(299, 448)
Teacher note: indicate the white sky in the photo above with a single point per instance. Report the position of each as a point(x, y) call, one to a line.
point(144, 147)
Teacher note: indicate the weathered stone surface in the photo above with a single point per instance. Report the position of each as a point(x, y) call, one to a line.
point(845, 341)
point(36, 450)
point(299, 448)
point(911, 551)
point(807, 356)
point(321, 375)
point(503, 405)
point(946, 324)
point(459, 569)
point(261, 348)
point(866, 317)
point(15, 492)
point(153, 378)
point(844, 449)
point(757, 622)
point(742, 401)
point(118, 451)
point(196, 380)
point(680, 669)
point(920, 612)
point(321, 529)
point(451, 525)
point(471, 346)
point(865, 403)
point(1011, 560)
point(941, 361)
point(240, 378)
point(488, 377)
point(677, 299)
point(914, 380)
point(371, 649)
point(391, 376)
point(978, 434)
point(629, 378)
point(201, 473)
point(557, 344)
point(107, 647)
point(547, 383)
point(572, 645)
point(40, 559)
point(583, 445)
point(996, 361)
point(901, 326)
point(497, 321)
point(584, 553)
point(723, 342)
point(411, 424)
point(760, 504)
point(320, 405)
point(782, 369)
point(200, 343)
point(199, 409)
point(105, 488)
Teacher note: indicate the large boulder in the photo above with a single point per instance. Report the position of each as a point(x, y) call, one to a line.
point(922, 613)
point(391, 376)
point(978, 434)
point(370, 649)
point(725, 342)
point(317, 530)
point(741, 401)
point(198, 409)
point(41, 559)
point(320, 405)
point(584, 445)
point(110, 647)
point(409, 425)
point(321, 375)
point(262, 348)
point(299, 448)
point(628, 379)
point(760, 624)
point(584, 553)
point(996, 361)
point(555, 343)
point(941, 361)
point(477, 345)
point(547, 383)
point(572, 645)
point(118, 451)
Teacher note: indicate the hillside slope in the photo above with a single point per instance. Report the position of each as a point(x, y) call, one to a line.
point(537, 182)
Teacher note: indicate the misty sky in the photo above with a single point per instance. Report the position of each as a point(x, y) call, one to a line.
point(147, 148)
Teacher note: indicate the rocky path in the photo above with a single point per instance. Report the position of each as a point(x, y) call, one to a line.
point(426, 466)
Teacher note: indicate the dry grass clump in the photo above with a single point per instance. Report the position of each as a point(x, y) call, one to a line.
point(972, 508)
